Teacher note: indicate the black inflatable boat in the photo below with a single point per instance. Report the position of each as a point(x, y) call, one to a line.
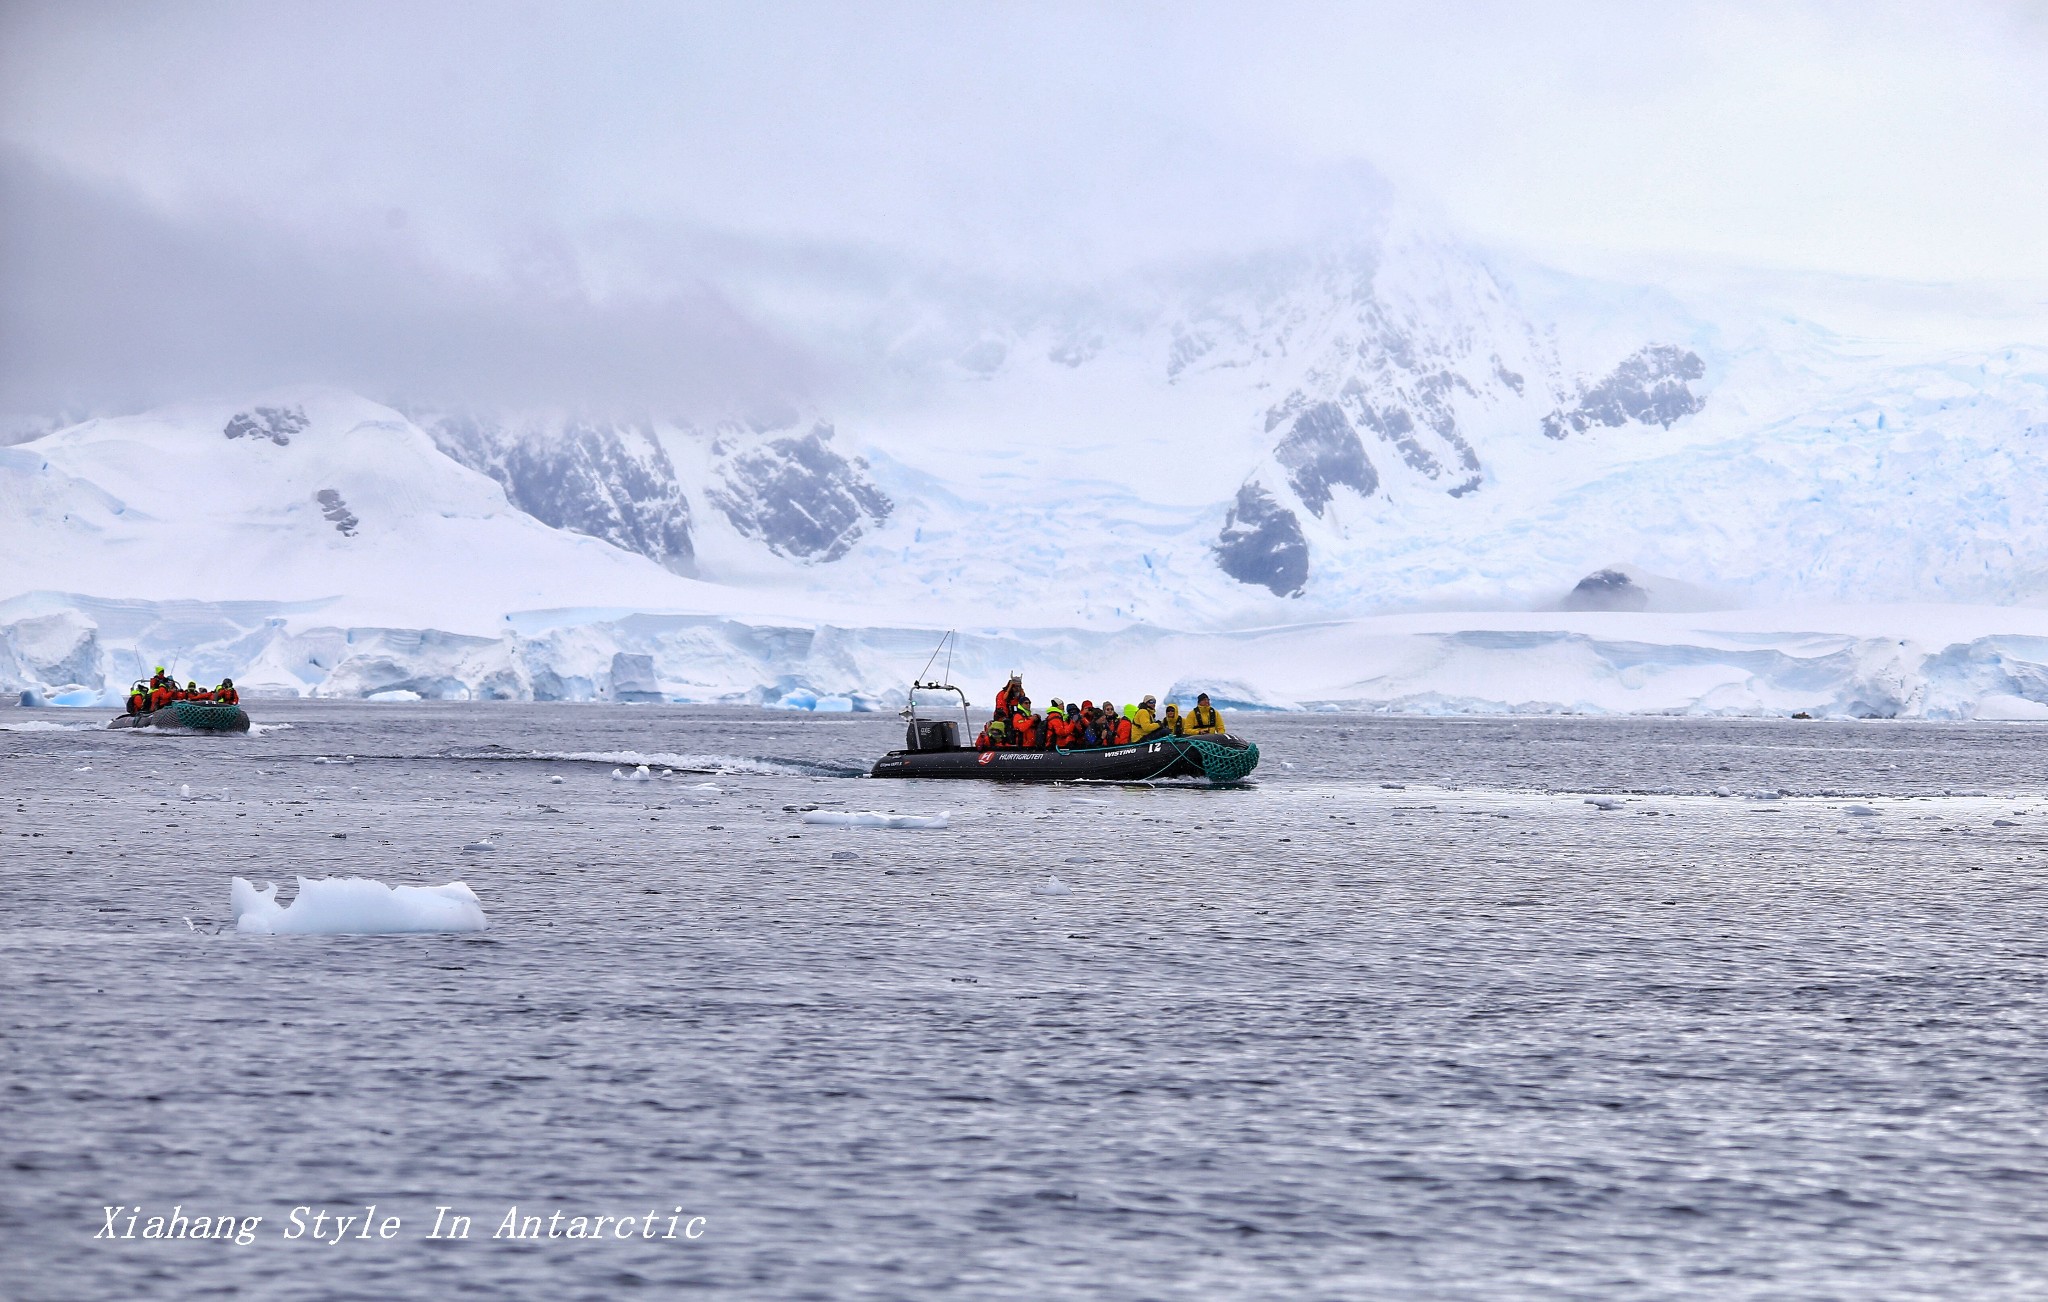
point(1217, 758)
point(188, 716)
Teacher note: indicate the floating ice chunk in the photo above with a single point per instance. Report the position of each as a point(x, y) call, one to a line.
point(1603, 802)
point(1091, 800)
point(1723, 792)
point(640, 774)
point(712, 787)
point(395, 694)
point(1860, 811)
point(834, 818)
point(1079, 858)
point(1761, 795)
point(184, 791)
point(32, 698)
point(480, 847)
point(83, 768)
point(1051, 886)
point(555, 778)
point(2003, 822)
point(356, 906)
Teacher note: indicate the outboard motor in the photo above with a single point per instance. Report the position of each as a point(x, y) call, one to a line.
point(932, 734)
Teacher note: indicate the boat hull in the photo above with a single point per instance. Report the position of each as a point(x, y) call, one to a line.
point(1220, 759)
point(188, 716)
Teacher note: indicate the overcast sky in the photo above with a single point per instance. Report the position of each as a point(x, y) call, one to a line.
point(481, 157)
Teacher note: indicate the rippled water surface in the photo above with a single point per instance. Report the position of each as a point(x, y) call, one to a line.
point(1406, 1018)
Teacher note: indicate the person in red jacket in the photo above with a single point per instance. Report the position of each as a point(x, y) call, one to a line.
point(159, 696)
point(1026, 725)
point(226, 694)
point(1123, 730)
point(138, 699)
point(1059, 730)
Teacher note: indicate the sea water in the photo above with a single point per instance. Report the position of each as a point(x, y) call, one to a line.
point(1406, 1017)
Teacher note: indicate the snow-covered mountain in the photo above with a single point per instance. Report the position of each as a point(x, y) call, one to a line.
point(1392, 421)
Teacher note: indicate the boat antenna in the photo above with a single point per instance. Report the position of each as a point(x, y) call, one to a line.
point(920, 683)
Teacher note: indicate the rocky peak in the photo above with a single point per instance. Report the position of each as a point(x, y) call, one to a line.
point(797, 495)
point(277, 424)
point(610, 481)
point(1648, 387)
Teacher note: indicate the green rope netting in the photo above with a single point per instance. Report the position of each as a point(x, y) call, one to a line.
point(1225, 763)
point(210, 718)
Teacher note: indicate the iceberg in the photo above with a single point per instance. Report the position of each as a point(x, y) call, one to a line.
point(356, 906)
point(834, 818)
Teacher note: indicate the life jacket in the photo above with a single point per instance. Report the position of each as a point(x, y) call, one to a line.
point(159, 697)
point(1203, 718)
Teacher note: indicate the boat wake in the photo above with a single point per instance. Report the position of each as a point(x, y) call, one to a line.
point(715, 764)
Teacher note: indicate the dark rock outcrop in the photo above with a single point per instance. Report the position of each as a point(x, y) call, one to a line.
point(799, 497)
point(277, 424)
point(337, 512)
point(1649, 387)
point(1320, 452)
point(1262, 543)
point(1607, 590)
point(608, 481)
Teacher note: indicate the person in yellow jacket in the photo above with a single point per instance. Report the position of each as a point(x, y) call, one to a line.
point(1172, 722)
point(1203, 721)
point(1143, 722)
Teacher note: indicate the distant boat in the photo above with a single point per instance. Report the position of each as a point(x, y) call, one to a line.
point(188, 716)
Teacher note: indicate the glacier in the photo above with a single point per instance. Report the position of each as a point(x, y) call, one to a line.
point(1917, 662)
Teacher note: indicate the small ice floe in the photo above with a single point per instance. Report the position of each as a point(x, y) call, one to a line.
point(846, 856)
point(356, 906)
point(1761, 795)
point(1859, 811)
point(1971, 793)
point(1051, 886)
point(484, 846)
point(711, 787)
point(84, 768)
point(640, 774)
point(2003, 822)
point(1604, 802)
point(557, 778)
point(1090, 800)
point(1079, 858)
point(1723, 792)
point(834, 818)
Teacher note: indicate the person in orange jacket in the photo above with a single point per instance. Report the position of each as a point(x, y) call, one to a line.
point(226, 694)
point(159, 696)
point(1008, 695)
point(1026, 725)
point(138, 699)
point(1063, 729)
